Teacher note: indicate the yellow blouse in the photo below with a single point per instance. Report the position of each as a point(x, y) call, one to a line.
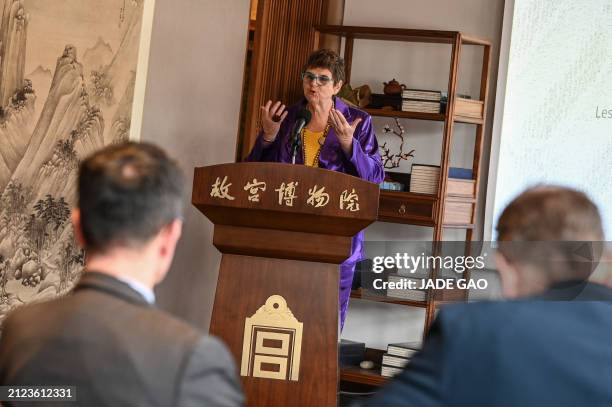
point(311, 147)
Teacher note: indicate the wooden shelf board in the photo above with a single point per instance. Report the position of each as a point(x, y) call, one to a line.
point(408, 195)
point(394, 219)
point(438, 117)
point(370, 377)
point(389, 34)
point(458, 226)
point(470, 40)
point(400, 34)
point(468, 120)
point(358, 294)
point(461, 199)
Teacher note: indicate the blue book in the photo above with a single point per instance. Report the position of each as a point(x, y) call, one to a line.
point(460, 173)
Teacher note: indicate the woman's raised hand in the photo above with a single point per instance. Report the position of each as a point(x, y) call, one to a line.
point(344, 130)
point(272, 115)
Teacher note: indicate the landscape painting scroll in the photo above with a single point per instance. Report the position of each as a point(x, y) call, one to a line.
point(72, 79)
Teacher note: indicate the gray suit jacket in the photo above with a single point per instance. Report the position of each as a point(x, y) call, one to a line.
point(117, 350)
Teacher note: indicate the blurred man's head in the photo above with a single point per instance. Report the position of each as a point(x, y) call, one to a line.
point(129, 209)
point(541, 235)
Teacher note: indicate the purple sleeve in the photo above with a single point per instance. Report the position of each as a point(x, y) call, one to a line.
point(263, 151)
point(365, 157)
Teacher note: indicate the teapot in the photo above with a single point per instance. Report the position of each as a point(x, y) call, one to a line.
point(393, 87)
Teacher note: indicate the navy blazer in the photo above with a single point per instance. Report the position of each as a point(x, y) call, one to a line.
point(537, 352)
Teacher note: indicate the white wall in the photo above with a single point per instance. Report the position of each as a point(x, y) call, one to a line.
point(192, 104)
point(423, 66)
point(559, 75)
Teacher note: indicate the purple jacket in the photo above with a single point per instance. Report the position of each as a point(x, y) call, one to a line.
point(364, 163)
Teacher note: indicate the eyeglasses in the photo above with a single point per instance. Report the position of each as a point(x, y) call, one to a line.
point(318, 79)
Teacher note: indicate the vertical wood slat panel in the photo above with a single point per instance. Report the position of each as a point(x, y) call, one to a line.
point(348, 58)
point(293, 34)
point(282, 45)
point(284, 39)
point(255, 91)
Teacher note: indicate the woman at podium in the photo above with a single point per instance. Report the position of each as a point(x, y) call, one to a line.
point(335, 136)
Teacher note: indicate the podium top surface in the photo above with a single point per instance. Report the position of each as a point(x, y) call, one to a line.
point(285, 197)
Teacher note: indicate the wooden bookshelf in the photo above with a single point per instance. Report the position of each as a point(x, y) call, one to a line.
point(422, 209)
point(438, 117)
point(362, 295)
point(406, 207)
point(370, 377)
point(356, 375)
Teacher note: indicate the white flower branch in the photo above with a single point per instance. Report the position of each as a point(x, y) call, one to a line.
point(390, 160)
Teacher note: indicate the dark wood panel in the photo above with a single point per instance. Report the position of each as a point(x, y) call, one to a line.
point(282, 244)
point(407, 207)
point(348, 58)
point(363, 376)
point(311, 292)
point(279, 220)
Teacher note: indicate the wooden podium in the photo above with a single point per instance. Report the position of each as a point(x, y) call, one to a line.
point(283, 230)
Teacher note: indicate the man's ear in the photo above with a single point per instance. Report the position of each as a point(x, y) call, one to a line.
point(75, 218)
point(509, 275)
point(171, 233)
point(167, 239)
point(176, 229)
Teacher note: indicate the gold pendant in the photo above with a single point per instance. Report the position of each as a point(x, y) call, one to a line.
point(322, 140)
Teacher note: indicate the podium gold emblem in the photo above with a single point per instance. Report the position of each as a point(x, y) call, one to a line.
point(272, 345)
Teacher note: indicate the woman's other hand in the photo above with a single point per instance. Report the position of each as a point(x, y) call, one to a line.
point(344, 130)
point(271, 118)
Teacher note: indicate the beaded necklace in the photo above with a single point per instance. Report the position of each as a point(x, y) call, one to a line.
point(321, 140)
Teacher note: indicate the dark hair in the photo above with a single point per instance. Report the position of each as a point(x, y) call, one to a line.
point(327, 59)
point(546, 227)
point(127, 193)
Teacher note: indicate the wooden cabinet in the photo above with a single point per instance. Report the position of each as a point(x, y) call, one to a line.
point(455, 203)
point(406, 207)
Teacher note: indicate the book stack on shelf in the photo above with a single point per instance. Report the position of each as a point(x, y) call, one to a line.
point(397, 357)
point(424, 178)
point(469, 108)
point(424, 101)
point(460, 190)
